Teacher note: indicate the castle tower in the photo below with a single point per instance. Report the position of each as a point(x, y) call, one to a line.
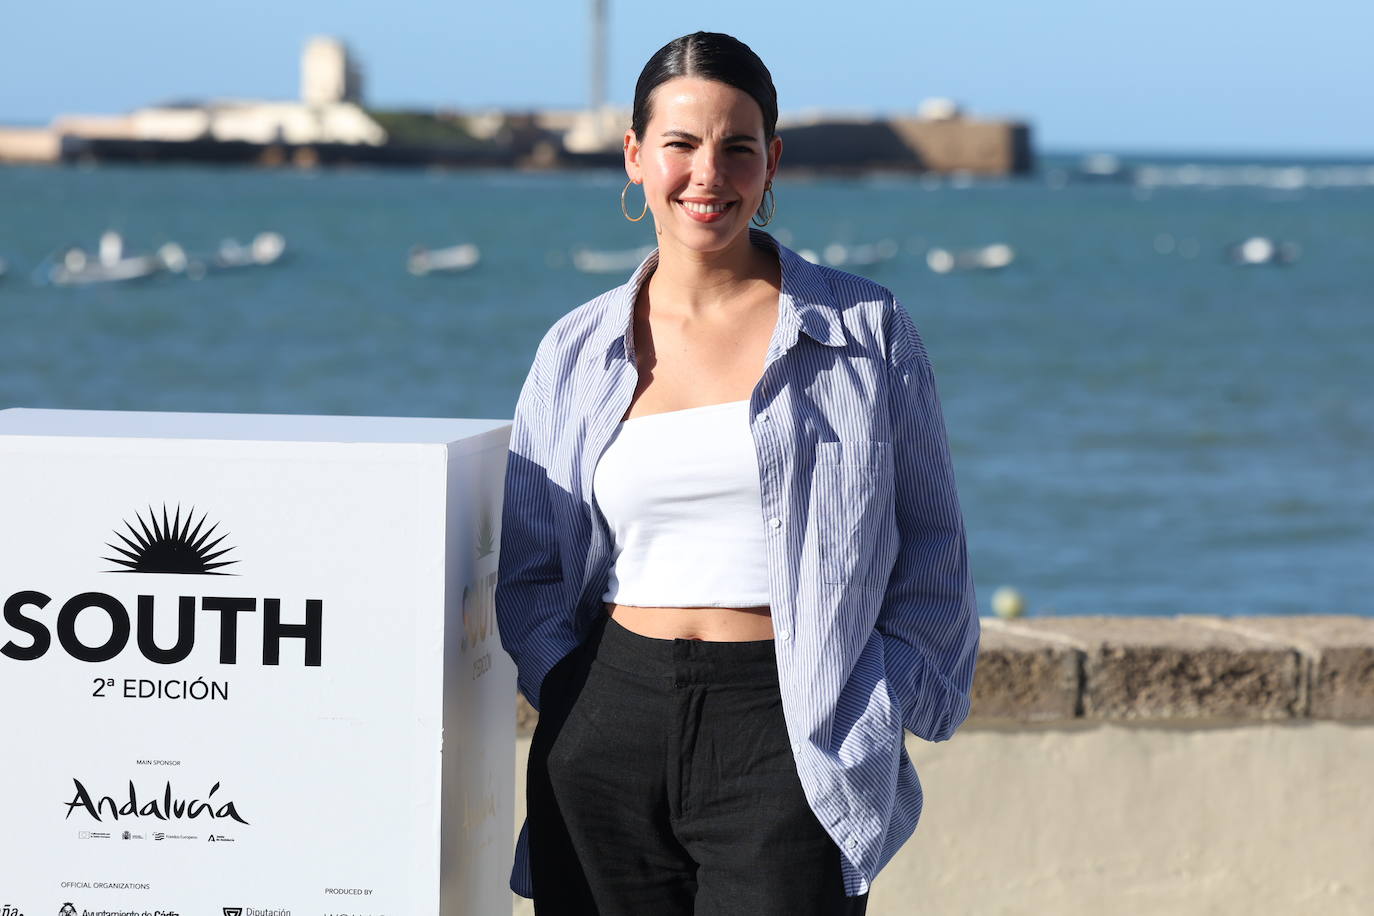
point(328, 73)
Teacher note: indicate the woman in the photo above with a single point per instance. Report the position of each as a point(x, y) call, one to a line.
point(733, 567)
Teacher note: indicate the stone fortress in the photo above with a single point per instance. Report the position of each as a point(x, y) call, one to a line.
point(330, 124)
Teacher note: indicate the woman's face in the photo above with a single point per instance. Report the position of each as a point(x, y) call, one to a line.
point(703, 162)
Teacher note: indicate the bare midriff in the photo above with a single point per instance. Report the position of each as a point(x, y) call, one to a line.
point(712, 624)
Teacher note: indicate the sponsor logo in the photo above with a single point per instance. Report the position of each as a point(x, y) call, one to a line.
point(68, 909)
point(478, 601)
point(220, 838)
point(125, 628)
point(170, 546)
point(166, 542)
point(233, 911)
point(164, 807)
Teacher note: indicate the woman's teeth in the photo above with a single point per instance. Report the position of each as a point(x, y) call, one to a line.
point(704, 208)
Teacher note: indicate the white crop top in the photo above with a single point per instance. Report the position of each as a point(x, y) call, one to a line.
point(680, 491)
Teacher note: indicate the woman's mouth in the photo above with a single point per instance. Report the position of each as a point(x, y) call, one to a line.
point(706, 212)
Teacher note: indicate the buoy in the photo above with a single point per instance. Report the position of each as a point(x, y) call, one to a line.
point(1007, 602)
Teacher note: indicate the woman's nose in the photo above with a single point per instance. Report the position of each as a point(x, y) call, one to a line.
point(704, 167)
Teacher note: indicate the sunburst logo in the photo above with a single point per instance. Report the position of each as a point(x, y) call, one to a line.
point(486, 537)
point(170, 546)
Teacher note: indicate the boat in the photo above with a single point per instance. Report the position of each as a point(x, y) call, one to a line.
point(266, 248)
point(986, 257)
point(77, 268)
point(454, 259)
point(1102, 167)
point(591, 261)
point(837, 254)
point(866, 255)
point(1260, 250)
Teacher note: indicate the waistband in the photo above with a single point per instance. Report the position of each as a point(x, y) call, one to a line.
point(752, 661)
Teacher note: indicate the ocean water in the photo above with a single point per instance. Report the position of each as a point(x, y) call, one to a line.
point(1138, 426)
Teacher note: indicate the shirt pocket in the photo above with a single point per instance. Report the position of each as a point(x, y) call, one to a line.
point(851, 491)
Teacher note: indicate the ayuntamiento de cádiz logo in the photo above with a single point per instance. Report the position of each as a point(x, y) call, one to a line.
point(163, 546)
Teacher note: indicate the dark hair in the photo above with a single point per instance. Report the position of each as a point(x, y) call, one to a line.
point(712, 56)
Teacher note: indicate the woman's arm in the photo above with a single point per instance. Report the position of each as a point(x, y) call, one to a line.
point(531, 614)
point(929, 617)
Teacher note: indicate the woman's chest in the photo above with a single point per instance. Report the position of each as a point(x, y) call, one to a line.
point(683, 363)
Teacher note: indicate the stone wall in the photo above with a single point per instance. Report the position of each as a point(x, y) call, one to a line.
point(1185, 765)
point(1186, 668)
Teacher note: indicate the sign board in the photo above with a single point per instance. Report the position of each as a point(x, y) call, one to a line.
point(250, 666)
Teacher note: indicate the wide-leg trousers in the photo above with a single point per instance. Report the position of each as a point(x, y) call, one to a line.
point(661, 782)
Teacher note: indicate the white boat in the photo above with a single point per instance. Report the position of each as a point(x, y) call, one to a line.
point(1102, 167)
point(839, 255)
point(987, 257)
point(866, 255)
point(77, 268)
point(453, 259)
point(1259, 250)
point(266, 248)
point(591, 261)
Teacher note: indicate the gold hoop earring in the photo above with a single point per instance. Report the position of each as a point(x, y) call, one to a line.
point(633, 219)
point(767, 207)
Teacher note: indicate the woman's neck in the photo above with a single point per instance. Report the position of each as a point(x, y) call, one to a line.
point(694, 280)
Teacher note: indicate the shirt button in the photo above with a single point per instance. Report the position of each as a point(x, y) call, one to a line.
point(783, 634)
point(775, 522)
point(853, 843)
point(797, 747)
point(763, 416)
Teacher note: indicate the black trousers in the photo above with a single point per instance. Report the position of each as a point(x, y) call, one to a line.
point(661, 782)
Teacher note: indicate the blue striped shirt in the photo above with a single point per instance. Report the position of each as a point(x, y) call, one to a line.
point(874, 616)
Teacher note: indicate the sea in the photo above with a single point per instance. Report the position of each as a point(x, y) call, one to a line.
point(1139, 425)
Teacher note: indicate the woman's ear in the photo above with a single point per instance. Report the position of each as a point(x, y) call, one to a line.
point(632, 167)
point(774, 154)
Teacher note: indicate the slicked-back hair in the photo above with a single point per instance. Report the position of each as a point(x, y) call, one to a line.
point(707, 55)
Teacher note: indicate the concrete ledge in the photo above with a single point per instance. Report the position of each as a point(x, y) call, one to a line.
point(1170, 668)
point(1026, 679)
point(1338, 651)
point(1192, 667)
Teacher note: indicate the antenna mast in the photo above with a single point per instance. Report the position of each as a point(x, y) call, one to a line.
point(598, 54)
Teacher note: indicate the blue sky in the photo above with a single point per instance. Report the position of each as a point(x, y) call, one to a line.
point(1189, 75)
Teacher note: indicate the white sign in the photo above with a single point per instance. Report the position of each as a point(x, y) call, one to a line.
point(249, 666)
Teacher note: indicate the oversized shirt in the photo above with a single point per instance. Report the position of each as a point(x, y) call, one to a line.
point(874, 616)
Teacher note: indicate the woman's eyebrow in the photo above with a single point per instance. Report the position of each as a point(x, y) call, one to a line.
point(733, 138)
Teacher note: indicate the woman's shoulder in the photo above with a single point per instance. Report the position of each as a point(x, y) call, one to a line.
point(870, 312)
point(852, 289)
point(577, 331)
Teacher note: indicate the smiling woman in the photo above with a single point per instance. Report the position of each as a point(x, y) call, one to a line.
point(703, 138)
point(732, 566)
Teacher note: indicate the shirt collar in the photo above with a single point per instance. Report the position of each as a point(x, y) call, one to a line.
point(805, 302)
